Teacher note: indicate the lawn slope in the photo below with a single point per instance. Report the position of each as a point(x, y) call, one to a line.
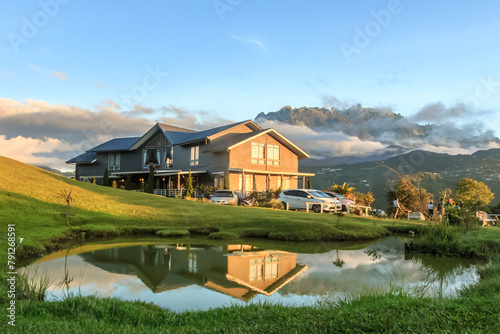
point(29, 198)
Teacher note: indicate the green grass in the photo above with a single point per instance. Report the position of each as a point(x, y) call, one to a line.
point(28, 199)
point(34, 206)
point(475, 310)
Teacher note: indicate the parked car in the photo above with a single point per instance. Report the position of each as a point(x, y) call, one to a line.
point(297, 198)
point(346, 203)
point(224, 197)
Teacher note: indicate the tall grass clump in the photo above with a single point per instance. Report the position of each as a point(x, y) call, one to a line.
point(32, 286)
point(439, 239)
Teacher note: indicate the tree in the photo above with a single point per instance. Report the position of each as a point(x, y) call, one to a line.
point(473, 193)
point(150, 183)
point(410, 197)
point(309, 185)
point(128, 182)
point(68, 199)
point(105, 178)
point(189, 185)
point(364, 199)
point(227, 186)
point(344, 190)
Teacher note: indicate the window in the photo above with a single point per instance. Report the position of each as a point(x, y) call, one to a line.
point(271, 270)
point(195, 156)
point(193, 263)
point(258, 153)
point(273, 155)
point(219, 182)
point(256, 269)
point(168, 155)
point(114, 161)
point(248, 182)
point(155, 142)
point(151, 156)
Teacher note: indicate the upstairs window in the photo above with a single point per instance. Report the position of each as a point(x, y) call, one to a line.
point(151, 156)
point(195, 156)
point(258, 153)
point(114, 161)
point(273, 155)
point(168, 155)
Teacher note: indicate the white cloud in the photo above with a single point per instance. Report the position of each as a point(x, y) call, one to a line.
point(249, 41)
point(35, 67)
point(26, 150)
point(59, 75)
point(325, 143)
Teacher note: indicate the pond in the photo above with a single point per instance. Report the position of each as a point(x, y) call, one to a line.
point(198, 276)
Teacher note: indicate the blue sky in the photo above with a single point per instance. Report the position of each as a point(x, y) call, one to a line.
point(232, 59)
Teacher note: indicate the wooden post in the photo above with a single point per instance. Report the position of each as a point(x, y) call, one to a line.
point(304, 182)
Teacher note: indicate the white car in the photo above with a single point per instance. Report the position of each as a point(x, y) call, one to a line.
point(297, 198)
point(224, 197)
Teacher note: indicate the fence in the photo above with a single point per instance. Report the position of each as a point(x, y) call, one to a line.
point(176, 193)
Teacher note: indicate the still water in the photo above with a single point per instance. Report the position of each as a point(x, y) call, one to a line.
point(194, 276)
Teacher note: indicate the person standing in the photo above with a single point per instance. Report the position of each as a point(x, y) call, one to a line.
point(430, 208)
point(396, 205)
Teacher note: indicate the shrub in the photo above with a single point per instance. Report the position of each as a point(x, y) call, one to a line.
point(254, 233)
point(203, 230)
point(276, 204)
point(224, 235)
point(173, 233)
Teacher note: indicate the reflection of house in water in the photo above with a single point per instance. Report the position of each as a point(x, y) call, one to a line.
point(240, 271)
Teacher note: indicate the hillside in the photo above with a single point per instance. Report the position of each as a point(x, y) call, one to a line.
point(433, 171)
point(29, 199)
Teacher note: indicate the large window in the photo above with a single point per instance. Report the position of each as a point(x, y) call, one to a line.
point(151, 156)
point(114, 161)
point(249, 182)
point(195, 156)
point(273, 155)
point(258, 153)
point(168, 156)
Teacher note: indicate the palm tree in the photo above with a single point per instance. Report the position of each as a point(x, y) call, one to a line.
point(342, 189)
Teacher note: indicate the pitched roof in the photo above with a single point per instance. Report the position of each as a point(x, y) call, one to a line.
point(116, 144)
point(223, 142)
point(181, 136)
point(206, 134)
point(85, 158)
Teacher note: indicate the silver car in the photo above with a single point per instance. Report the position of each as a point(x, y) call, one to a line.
point(346, 203)
point(224, 197)
point(297, 199)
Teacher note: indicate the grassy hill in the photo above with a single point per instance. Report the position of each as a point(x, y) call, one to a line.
point(432, 171)
point(29, 198)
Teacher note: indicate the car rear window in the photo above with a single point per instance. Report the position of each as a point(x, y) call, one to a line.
point(223, 194)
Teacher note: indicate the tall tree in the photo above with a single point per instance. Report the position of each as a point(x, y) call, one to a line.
point(473, 193)
point(410, 197)
point(150, 183)
point(105, 178)
point(189, 185)
point(128, 182)
point(309, 185)
point(227, 186)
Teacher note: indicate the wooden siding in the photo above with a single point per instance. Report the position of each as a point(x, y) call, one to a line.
point(241, 156)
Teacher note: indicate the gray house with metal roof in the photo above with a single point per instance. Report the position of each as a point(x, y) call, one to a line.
point(257, 159)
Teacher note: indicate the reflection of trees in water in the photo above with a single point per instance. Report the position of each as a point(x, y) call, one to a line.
point(440, 271)
point(338, 262)
point(66, 280)
point(373, 253)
